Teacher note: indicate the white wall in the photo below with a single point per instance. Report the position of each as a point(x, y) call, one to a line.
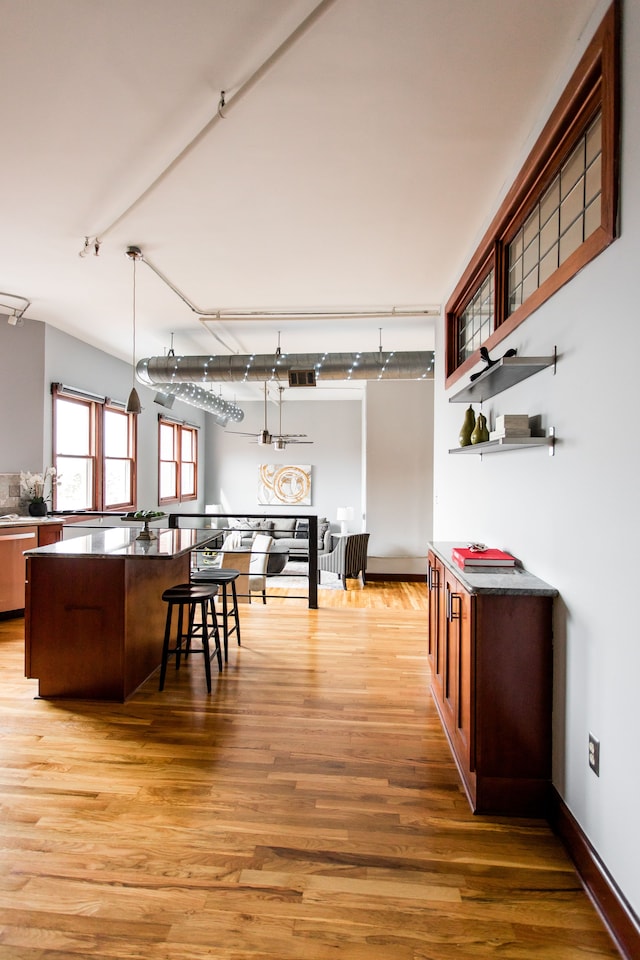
point(334, 456)
point(574, 519)
point(399, 474)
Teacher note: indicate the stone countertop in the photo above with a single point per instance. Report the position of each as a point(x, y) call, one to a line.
point(119, 542)
point(507, 580)
point(8, 520)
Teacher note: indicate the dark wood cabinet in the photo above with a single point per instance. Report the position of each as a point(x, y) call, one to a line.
point(491, 679)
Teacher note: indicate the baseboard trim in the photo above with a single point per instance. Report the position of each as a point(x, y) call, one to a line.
point(392, 577)
point(618, 916)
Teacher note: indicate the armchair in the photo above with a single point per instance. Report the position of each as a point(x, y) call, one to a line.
point(347, 559)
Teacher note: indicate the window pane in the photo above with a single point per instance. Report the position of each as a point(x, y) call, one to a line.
point(168, 481)
point(117, 482)
point(73, 428)
point(531, 228)
point(549, 234)
point(571, 240)
point(188, 480)
point(187, 444)
point(116, 434)
point(572, 170)
point(592, 218)
point(75, 483)
point(167, 446)
point(594, 139)
point(550, 201)
point(530, 284)
point(531, 257)
point(549, 264)
point(572, 207)
point(594, 180)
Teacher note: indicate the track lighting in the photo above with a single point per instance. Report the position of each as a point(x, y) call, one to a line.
point(91, 246)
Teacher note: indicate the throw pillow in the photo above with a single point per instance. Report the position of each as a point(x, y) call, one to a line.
point(302, 530)
point(284, 527)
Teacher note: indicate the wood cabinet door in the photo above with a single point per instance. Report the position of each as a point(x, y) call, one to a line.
point(437, 626)
point(13, 541)
point(463, 605)
point(450, 649)
point(434, 612)
point(51, 533)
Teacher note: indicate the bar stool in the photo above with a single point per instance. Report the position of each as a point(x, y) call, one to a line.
point(189, 596)
point(223, 577)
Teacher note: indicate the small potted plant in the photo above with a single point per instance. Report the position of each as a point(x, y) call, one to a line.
point(33, 488)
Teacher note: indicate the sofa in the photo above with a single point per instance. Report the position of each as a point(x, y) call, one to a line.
point(289, 533)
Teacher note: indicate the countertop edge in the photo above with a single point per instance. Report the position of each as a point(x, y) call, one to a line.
point(92, 546)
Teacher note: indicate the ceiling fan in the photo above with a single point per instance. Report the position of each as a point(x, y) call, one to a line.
point(279, 440)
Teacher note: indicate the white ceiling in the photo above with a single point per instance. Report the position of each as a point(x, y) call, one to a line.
point(358, 172)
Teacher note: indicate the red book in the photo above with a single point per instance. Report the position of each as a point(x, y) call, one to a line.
point(465, 557)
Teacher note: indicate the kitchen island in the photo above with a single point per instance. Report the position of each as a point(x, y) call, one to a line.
point(94, 615)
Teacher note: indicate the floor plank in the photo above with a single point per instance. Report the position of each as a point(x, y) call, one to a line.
point(308, 808)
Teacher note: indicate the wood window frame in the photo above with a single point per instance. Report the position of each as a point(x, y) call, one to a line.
point(132, 443)
point(595, 85)
point(97, 406)
point(177, 426)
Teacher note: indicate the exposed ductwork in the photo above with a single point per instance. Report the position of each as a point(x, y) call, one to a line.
point(382, 365)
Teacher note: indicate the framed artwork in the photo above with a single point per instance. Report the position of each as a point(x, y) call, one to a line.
point(284, 484)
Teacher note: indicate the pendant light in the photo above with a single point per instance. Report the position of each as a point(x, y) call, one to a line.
point(133, 403)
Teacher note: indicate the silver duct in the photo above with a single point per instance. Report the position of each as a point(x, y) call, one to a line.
point(402, 365)
point(221, 410)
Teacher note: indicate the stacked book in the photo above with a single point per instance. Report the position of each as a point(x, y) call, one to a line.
point(511, 425)
point(472, 556)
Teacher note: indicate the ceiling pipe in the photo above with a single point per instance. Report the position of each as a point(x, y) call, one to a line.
point(388, 365)
point(225, 105)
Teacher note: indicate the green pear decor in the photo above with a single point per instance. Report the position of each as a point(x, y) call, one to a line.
point(466, 430)
point(480, 432)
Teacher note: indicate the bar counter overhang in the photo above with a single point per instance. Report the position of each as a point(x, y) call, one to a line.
point(94, 615)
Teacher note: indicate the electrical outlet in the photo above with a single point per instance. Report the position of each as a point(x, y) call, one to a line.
point(594, 754)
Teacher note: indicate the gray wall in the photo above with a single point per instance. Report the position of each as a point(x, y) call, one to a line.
point(574, 519)
point(35, 355)
point(22, 435)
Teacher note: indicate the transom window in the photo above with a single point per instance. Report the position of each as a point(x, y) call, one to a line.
point(568, 212)
point(476, 321)
point(560, 213)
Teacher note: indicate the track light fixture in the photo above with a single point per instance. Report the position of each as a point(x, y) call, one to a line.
point(91, 246)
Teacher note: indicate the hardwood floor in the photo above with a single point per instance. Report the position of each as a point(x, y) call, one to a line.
point(308, 808)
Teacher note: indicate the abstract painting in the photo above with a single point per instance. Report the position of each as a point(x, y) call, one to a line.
point(284, 484)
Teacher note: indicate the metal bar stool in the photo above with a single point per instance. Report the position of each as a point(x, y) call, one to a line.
point(189, 596)
point(223, 577)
